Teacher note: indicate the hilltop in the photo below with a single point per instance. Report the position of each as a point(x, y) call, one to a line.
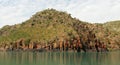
point(113, 26)
point(44, 26)
point(52, 29)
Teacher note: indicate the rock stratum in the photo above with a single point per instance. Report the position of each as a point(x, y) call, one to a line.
point(52, 30)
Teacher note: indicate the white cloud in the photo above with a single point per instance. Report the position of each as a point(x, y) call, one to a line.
point(94, 11)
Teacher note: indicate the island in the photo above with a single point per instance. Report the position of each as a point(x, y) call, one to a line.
point(51, 30)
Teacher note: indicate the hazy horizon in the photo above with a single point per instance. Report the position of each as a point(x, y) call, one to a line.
point(92, 11)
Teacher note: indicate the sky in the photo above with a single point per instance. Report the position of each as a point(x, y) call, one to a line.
point(93, 11)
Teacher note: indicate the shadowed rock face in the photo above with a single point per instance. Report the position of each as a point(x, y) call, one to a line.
point(52, 30)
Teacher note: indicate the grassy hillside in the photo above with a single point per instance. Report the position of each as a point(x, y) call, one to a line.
point(52, 26)
point(44, 26)
point(114, 31)
point(113, 26)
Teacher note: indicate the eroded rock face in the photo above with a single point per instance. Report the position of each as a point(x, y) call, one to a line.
point(39, 46)
point(75, 45)
point(61, 45)
point(55, 45)
point(31, 45)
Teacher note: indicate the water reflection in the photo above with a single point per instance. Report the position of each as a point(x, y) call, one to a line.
point(59, 58)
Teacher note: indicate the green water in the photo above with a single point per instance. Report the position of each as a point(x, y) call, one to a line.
point(59, 58)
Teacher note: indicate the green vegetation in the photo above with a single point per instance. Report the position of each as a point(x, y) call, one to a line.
point(44, 26)
point(113, 26)
point(51, 26)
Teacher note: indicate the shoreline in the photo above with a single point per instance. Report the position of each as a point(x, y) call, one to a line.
point(54, 50)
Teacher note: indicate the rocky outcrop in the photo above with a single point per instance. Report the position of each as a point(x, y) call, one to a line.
point(74, 45)
point(52, 30)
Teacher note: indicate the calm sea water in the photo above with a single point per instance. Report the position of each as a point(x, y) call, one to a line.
point(59, 58)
